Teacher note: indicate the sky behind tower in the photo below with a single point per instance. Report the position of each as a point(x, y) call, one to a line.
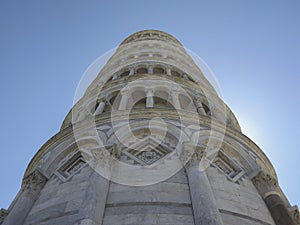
point(251, 46)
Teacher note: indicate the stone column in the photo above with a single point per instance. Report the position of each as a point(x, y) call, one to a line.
point(184, 76)
point(124, 99)
point(267, 187)
point(150, 70)
point(116, 76)
point(100, 107)
point(149, 99)
point(204, 204)
point(168, 70)
point(175, 99)
point(31, 188)
point(199, 105)
point(93, 206)
point(131, 72)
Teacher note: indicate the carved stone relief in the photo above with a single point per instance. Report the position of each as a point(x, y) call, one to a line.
point(265, 183)
point(34, 181)
point(294, 211)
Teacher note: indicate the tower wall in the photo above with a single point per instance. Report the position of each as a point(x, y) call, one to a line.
point(150, 142)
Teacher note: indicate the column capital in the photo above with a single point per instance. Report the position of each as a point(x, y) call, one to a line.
point(125, 91)
point(175, 90)
point(102, 99)
point(266, 184)
point(192, 155)
point(149, 90)
point(106, 156)
point(294, 211)
point(34, 180)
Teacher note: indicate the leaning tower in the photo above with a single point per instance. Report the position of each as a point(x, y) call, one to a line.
point(150, 142)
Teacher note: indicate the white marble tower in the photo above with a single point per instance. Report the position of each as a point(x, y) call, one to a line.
point(150, 142)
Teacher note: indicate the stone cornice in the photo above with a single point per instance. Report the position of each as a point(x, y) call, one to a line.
point(54, 140)
point(146, 113)
point(150, 35)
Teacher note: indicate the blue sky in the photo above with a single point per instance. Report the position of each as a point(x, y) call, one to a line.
point(252, 46)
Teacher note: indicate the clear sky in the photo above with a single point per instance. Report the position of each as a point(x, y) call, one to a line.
point(252, 46)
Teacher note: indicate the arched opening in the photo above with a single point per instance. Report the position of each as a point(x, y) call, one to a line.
point(124, 74)
point(138, 99)
point(161, 103)
point(140, 104)
point(95, 107)
point(161, 100)
point(185, 102)
point(142, 71)
point(144, 55)
point(206, 109)
point(158, 70)
point(113, 101)
point(175, 73)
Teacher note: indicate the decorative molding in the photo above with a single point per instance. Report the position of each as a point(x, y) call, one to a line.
point(151, 35)
point(70, 166)
point(228, 166)
point(146, 152)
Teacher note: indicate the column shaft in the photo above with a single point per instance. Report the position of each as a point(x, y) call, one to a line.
point(124, 100)
point(149, 99)
point(93, 207)
point(116, 76)
point(100, 108)
point(32, 186)
point(168, 71)
point(175, 100)
point(199, 106)
point(268, 188)
point(150, 70)
point(131, 72)
point(203, 201)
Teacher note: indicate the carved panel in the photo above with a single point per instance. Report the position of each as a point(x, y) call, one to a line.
point(229, 167)
point(70, 166)
point(147, 154)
